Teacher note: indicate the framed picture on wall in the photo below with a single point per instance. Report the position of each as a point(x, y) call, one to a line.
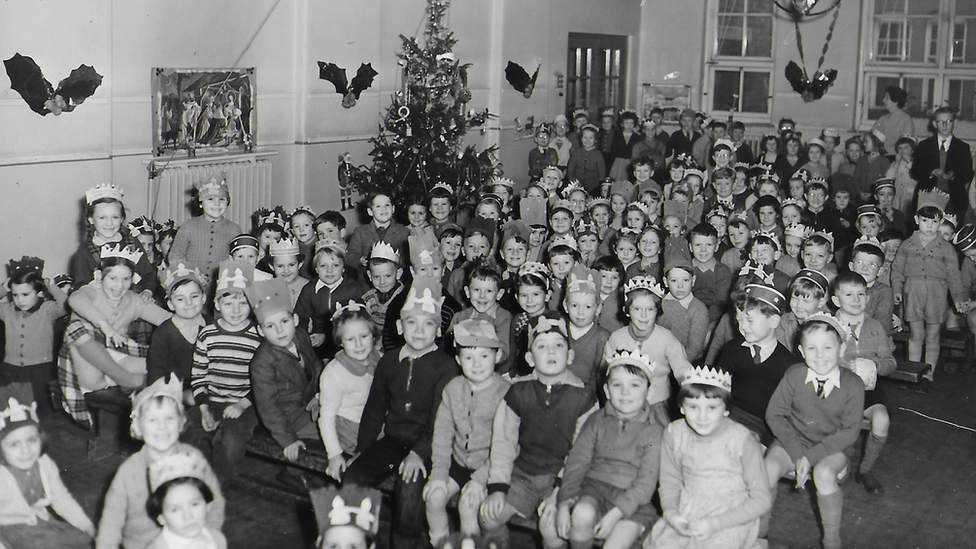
point(673, 98)
point(203, 110)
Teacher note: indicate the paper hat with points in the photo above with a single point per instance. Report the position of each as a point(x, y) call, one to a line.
point(608, 111)
point(140, 226)
point(764, 272)
point(350, 307)
point(305, 210)
point(533, 211)
point(383, 250)
point(424, 250)
point(554, 170)
point(423, 297)
point(717, 211)
point(213, 187)
point(350, 506)
point(129, 253)
point(476, 333)
point(644, 283)
point(869, 242)
point(830, 321)
point(536, 270)
point(441, 190)
point(583, 280)
point(583, 227)
point(176, 466)
point(934, 198)
point(179, 273)
point(570, 188)
point(105, 190)
point(548, 322)
point(561, 204)
point(598, 201)
point(170, 387)
point(798, 230)
point(767, 294)
point(634, 358)
point(723, 143)
point(25, 264)
point(703, 375)
point(503, 181)
point(580, 113)
point(276, 217)
point(566, 240)
point(13, 413)
point(516, 228)
point(233, 277)
point(284, 247)
point(268, 298)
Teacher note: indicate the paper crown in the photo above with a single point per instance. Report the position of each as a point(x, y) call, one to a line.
point(516, 228)
point(503, 181)
point(802, 174)
point(883, 182)
point(424, 251)
point(767, 174)
point(598, 201)
point(561, 204)
point(566, 240)
point(629, 112)
point(166, 228)
point(233, 277)
point(634, 358)
point(213, 187)
point(644, 283)
point(759, 270)
point(269, 297)
point(424, 297)
point(533, 211)
point(553, 170)
point(826, 236)
point(726, 143)
point(703, 375)
point(869, 241)
point(792, 202)
point(351, 306)
point(351, 506)
point(265, 217)
point(482, 225)
point(548, 322)
point(965, 237)
point(305, 209)
point(179, 273)
point(128, 253)
point(583, 280)
point(624, 188)
point(683, 158)
point(629, 231)
point(15, 415)
point(140, 226)
point(572, 187)
point(105, 190)
point(829, 320)
point(767, 294)
point(717, 211)
point(815, 277)
point(798, 230)
point(950, 219)
point(639, 206)
point(175, 466)
point(536, 270)
point(815, 142)
point(25, 264)
point(542, 129)
point(383, 250)
point(244, 241)
point(284, 247)
point(584, 227)
point(768, 235)
point(674, 208)
point(170, 387)
point(580, 112)
point(476, 333)
point(830, 132)
point(331, 244)
point(934, 198)
point(590, 127)
point(441, 190)
point(816, 182)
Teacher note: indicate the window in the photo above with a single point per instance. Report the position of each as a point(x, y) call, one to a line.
point(597, 69)
point(741, 59)
point(926, 47)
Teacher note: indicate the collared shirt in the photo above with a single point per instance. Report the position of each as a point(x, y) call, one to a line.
point(945, 143)
point(685, 301)
point(766, 348)
point(832, 379)
point(853, 325)
point(705, 266)
point(578, 332)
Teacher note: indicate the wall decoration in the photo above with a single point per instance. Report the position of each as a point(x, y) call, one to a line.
point(27, 79)
point(348, 90)
point(672, 98)
point(809, 88)
point(519, 78)
point(210, 110)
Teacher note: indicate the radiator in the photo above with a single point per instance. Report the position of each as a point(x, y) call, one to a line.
point(249, 184)
point(755, 143)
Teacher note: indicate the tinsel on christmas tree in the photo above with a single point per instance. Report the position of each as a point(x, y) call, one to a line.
point(420, 140)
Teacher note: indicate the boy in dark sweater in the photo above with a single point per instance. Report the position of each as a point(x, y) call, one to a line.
point(586, 338)
point(402, 404)
point(533, 430)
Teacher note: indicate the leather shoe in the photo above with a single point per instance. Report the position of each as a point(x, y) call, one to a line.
point(870, 483)
point(924, 386)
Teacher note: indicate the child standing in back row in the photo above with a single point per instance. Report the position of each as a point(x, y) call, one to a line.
point(203, 242)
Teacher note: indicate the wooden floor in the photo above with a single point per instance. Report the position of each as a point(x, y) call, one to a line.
point(928, 469)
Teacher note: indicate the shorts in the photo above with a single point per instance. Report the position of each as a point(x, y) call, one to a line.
point(459, 473)
point(925, 299)
point(527, 491)
point(849, 453)
point(604, 494)
point(875, 396)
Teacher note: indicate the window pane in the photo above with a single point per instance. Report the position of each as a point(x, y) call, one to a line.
point(889, 6)
point(921, 92)
point(755, 92)
point(889, 40)
point(760, 6)
point(962, 99)
point(921, 34)
point(963, 48)
point(965, 8)
point(924, 7)
point(731, 6)
point(729, 35)
point(759, 36)
point(724, 90)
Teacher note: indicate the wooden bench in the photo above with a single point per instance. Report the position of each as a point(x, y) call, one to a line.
point(958, 352)
point(109, 409)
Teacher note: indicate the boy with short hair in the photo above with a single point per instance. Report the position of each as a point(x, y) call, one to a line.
point(808, 296)
point(682, 313)
point(224, 419)
point(542, 155)
point(462, 430)
point(402, 403)
point(330, 225)
point(440, 203)
point(611, 472)
point(479, 239)
point(247, 248)
point(815, 415)
point(382, 228)
point(764, 249)
point(712, 278)
point(563, 256)
point(866, 260)
point(385, 274)
point(317, 301)
point(755, 359)
point(483, 292)
point(532, 433)
point(586, 338)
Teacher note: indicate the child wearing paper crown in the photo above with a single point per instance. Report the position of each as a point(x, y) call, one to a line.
point(104, 219)
point(348, 518)
point(97, 351)
point(171, 347)
point(713, 486)
point(28, 319)
point(284, 370)
point(462, 430)
point(925, 268)
point(611, 471)
point(385, 274)
point(286, 262)
point(157, 419)
point(345, 382)
point(179, 502)
point(586, 338)
point(31, 486)
point(402, 403)
point(203, 242)
point(223, 420)
point(318, 300)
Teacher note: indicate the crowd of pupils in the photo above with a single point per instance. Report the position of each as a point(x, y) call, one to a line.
point(520, 360)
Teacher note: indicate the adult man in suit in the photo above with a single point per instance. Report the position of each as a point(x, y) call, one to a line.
point(945, 162)
point(681, 140)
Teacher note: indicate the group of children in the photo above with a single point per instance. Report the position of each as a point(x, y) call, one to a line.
point(519, 361)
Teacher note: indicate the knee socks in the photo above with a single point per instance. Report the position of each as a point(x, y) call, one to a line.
point(831, 511)
point(872, 450)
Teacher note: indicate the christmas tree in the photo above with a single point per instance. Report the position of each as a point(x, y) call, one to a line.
point(420, 140)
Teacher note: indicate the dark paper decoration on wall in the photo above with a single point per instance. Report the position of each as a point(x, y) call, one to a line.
point(27, 79)
point(811, 90)
point(520, 80)
point(348, 90)
point(814, 88)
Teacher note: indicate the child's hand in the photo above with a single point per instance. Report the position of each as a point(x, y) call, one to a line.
point(313, 407)
point(432, 487)
point(317, 339)
point(234, 411)
point(337, 466)
point(493, 507)
point(412, 468)
point(607, 523)
point(679, 523)
point(896, 299)
point(207, 420)
point(802, 471)
point(701, 529)
point(547, 509)
point(146, 297)
point(112, 337)
point(291, 451)
point(564, 520)
point(472, 494)
point(90, 530)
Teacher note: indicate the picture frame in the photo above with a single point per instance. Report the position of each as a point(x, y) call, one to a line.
point(672, 98)
point(203, 110)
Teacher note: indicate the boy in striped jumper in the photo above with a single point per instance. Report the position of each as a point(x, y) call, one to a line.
point(224, 419)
